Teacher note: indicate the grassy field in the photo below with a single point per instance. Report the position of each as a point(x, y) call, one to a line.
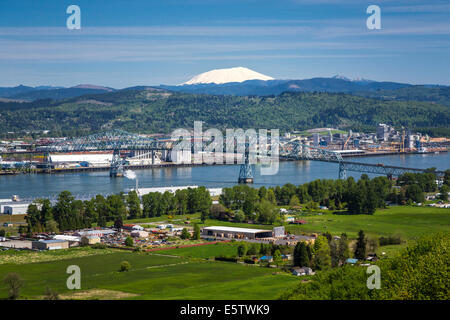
point(205, 251)
point(152, 276)
point(16, 218)
point(409, 222)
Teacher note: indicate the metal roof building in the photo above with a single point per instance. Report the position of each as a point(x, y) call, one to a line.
point(235, 233)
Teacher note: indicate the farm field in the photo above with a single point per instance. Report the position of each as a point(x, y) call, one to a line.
point(205, 251)
point(409, 222)
point(152, 276)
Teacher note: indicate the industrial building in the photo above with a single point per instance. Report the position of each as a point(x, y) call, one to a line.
point(91, 159)
point(49, 244)
point(139, 234)
point(95, 233)
point(235, 233)
point(15, 208)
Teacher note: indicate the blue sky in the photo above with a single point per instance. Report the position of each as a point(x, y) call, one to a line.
point(151, 42)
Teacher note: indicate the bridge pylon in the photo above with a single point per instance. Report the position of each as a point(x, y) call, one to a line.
point(342, 171)
point(246, 171)
point(116, 169)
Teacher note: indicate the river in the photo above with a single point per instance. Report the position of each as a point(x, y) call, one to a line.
point(296, 172)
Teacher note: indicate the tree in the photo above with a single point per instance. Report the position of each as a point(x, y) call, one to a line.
point(266, 213)
point(51, 294)
point(239, 216)
point(360, 250)
point(196, 234)
point(444, 190)
point(294, 202)
point(134, 205)
point(253, 250)
point(185, 234)
point(115, 207)
point(242, 249)
point(14, 283)
point(84, 242)
point(271, 197)
point(321, 258)
point(301, 258)
point(277, 256)
point(118, 223)
point(181, 200)
point(343, 250)
point(129, 242)
point(334, 253)
point(447, 177)
point(372, 245)
point(125, 266)
point(415, 193)
point(2, 232)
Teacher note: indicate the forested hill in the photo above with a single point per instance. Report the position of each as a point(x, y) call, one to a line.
point(153, 110)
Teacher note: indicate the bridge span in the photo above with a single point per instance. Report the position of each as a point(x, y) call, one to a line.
point(118, 140)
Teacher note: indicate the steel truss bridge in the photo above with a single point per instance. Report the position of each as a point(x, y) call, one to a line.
point(117, 140)
point(298, 151)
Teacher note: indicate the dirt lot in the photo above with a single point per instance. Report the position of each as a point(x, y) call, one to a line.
point(16, 244)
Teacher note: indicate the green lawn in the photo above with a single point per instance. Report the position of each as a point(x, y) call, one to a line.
point(153, 277)
point(409, 222)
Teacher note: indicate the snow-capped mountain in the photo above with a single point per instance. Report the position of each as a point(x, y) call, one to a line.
point(221, 76)
point(341, 77)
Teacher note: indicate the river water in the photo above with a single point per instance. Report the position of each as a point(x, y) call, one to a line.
point(296, 172)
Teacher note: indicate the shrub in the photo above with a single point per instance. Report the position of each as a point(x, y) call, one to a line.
point(129, 242)
point(125, 266)
point(99, 246)
point(51, 294)
point(385, 241)
point(13, 282)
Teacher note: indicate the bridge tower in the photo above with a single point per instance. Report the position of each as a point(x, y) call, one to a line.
point(246, 171)
point(116, 169)
point(342, 171)
point(47, 166)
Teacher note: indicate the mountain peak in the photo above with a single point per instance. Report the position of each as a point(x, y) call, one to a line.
point(220, 76)
point(338, 76)
point(91, 86)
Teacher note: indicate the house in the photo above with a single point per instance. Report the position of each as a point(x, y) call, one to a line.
point(286, 257)
point(266, 259)
point(289, 219)
point(304, 271)
point(372, 257)
point(298, 222)
point(351, 261)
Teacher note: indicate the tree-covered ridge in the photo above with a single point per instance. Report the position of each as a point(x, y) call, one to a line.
point(419, 272)
point(151, 111)
point(439, 95)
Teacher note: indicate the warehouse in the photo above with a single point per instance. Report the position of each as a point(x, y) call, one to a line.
point(49, 244)
point(16, 208)
point(93, 159)
point(235, 233)
point(95, 233)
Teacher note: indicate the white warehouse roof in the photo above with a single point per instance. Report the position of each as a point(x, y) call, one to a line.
point(233, 229)
point(92, 158)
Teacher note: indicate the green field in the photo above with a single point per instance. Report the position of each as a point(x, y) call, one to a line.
point(409, 222)
point(205, 251)
point(153, 277)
